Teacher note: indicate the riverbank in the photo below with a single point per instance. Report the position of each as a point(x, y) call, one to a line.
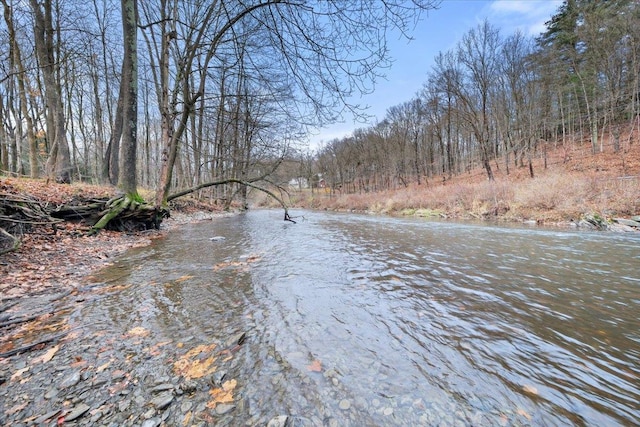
point(571, 187)
point(52, 260)
point(52, 372)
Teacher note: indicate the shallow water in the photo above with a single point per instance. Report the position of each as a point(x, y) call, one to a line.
point(363, 320)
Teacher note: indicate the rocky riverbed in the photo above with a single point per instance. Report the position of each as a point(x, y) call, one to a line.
point(72, 377)
point(53, 372)
point(99, 375)
point(57, 368)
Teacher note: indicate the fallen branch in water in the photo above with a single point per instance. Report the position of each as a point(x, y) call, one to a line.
point(248, 183)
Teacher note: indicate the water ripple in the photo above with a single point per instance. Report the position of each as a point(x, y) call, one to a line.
point(434, 323)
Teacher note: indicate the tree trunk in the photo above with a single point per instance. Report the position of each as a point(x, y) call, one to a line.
point(60, 161)
point(22, 93)
point(128, 143)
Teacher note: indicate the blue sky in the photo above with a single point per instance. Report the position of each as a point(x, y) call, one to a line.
point(438, 31)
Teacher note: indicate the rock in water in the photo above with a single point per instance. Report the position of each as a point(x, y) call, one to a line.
point(627, 222)
point(77, 412)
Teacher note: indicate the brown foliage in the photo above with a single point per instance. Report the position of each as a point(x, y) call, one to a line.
point(569, 181)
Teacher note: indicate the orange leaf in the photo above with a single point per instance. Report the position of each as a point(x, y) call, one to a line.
point(103, 367)
point(316, 366)
point(524, 413)
point(17, 374)
point(223, 394)
point(48, 355)
point(195, 364)
point(138, 331)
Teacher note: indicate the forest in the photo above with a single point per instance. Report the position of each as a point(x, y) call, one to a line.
point(505, 98)
point(220, 97)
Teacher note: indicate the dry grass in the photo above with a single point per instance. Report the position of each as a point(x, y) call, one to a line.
point(574, 183)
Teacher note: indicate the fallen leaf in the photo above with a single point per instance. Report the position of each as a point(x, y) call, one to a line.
point(196, 363)
point(223, 394)
point(6, 346)
point(15, 409)
point(114, 288)
point(530, 389)
point(79, 363)
point(103, 367)
point(117, 387)
point(226, 264)
point(196, 351)
point(48, 355)
point(155, 350)
point(191, 369)
point(524, 413)
point(138, 331)
point(316, 366)
point(187, 418)
point(17, 374)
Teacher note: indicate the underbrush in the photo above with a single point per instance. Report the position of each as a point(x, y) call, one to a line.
point(554, 196)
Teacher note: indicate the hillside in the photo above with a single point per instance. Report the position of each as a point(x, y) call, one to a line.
point(569, 183)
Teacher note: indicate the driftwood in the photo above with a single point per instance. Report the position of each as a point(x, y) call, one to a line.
point(125, 213)
point(19, 214)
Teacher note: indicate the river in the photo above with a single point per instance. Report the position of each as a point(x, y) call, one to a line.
point(376, 321)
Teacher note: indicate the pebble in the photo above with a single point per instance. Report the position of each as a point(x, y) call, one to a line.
point(77, 412)
point(161, 387)
point(162, 401)
point(153, 422)
point(95, 417)
point(47, 416)
point(71, 380)
point(279, 421)
point(51, 393)
point(223, 408)
point(151, 412)
point(344, 404)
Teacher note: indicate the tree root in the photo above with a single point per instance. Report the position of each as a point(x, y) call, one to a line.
point(12, 246)
point(126, 213)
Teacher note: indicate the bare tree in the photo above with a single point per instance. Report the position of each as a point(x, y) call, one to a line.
point(127, 176)
point(59, 163)
point(21, 77)
point(327, 51)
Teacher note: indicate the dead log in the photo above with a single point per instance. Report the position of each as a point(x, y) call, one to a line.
point(88, 210)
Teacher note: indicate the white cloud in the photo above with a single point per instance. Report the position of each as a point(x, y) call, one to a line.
point(515, 6)
point(527, 16)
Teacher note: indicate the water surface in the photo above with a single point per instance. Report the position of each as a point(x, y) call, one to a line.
point(363, 320)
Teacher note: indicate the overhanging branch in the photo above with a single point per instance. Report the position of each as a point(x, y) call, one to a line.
point(248, 183)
